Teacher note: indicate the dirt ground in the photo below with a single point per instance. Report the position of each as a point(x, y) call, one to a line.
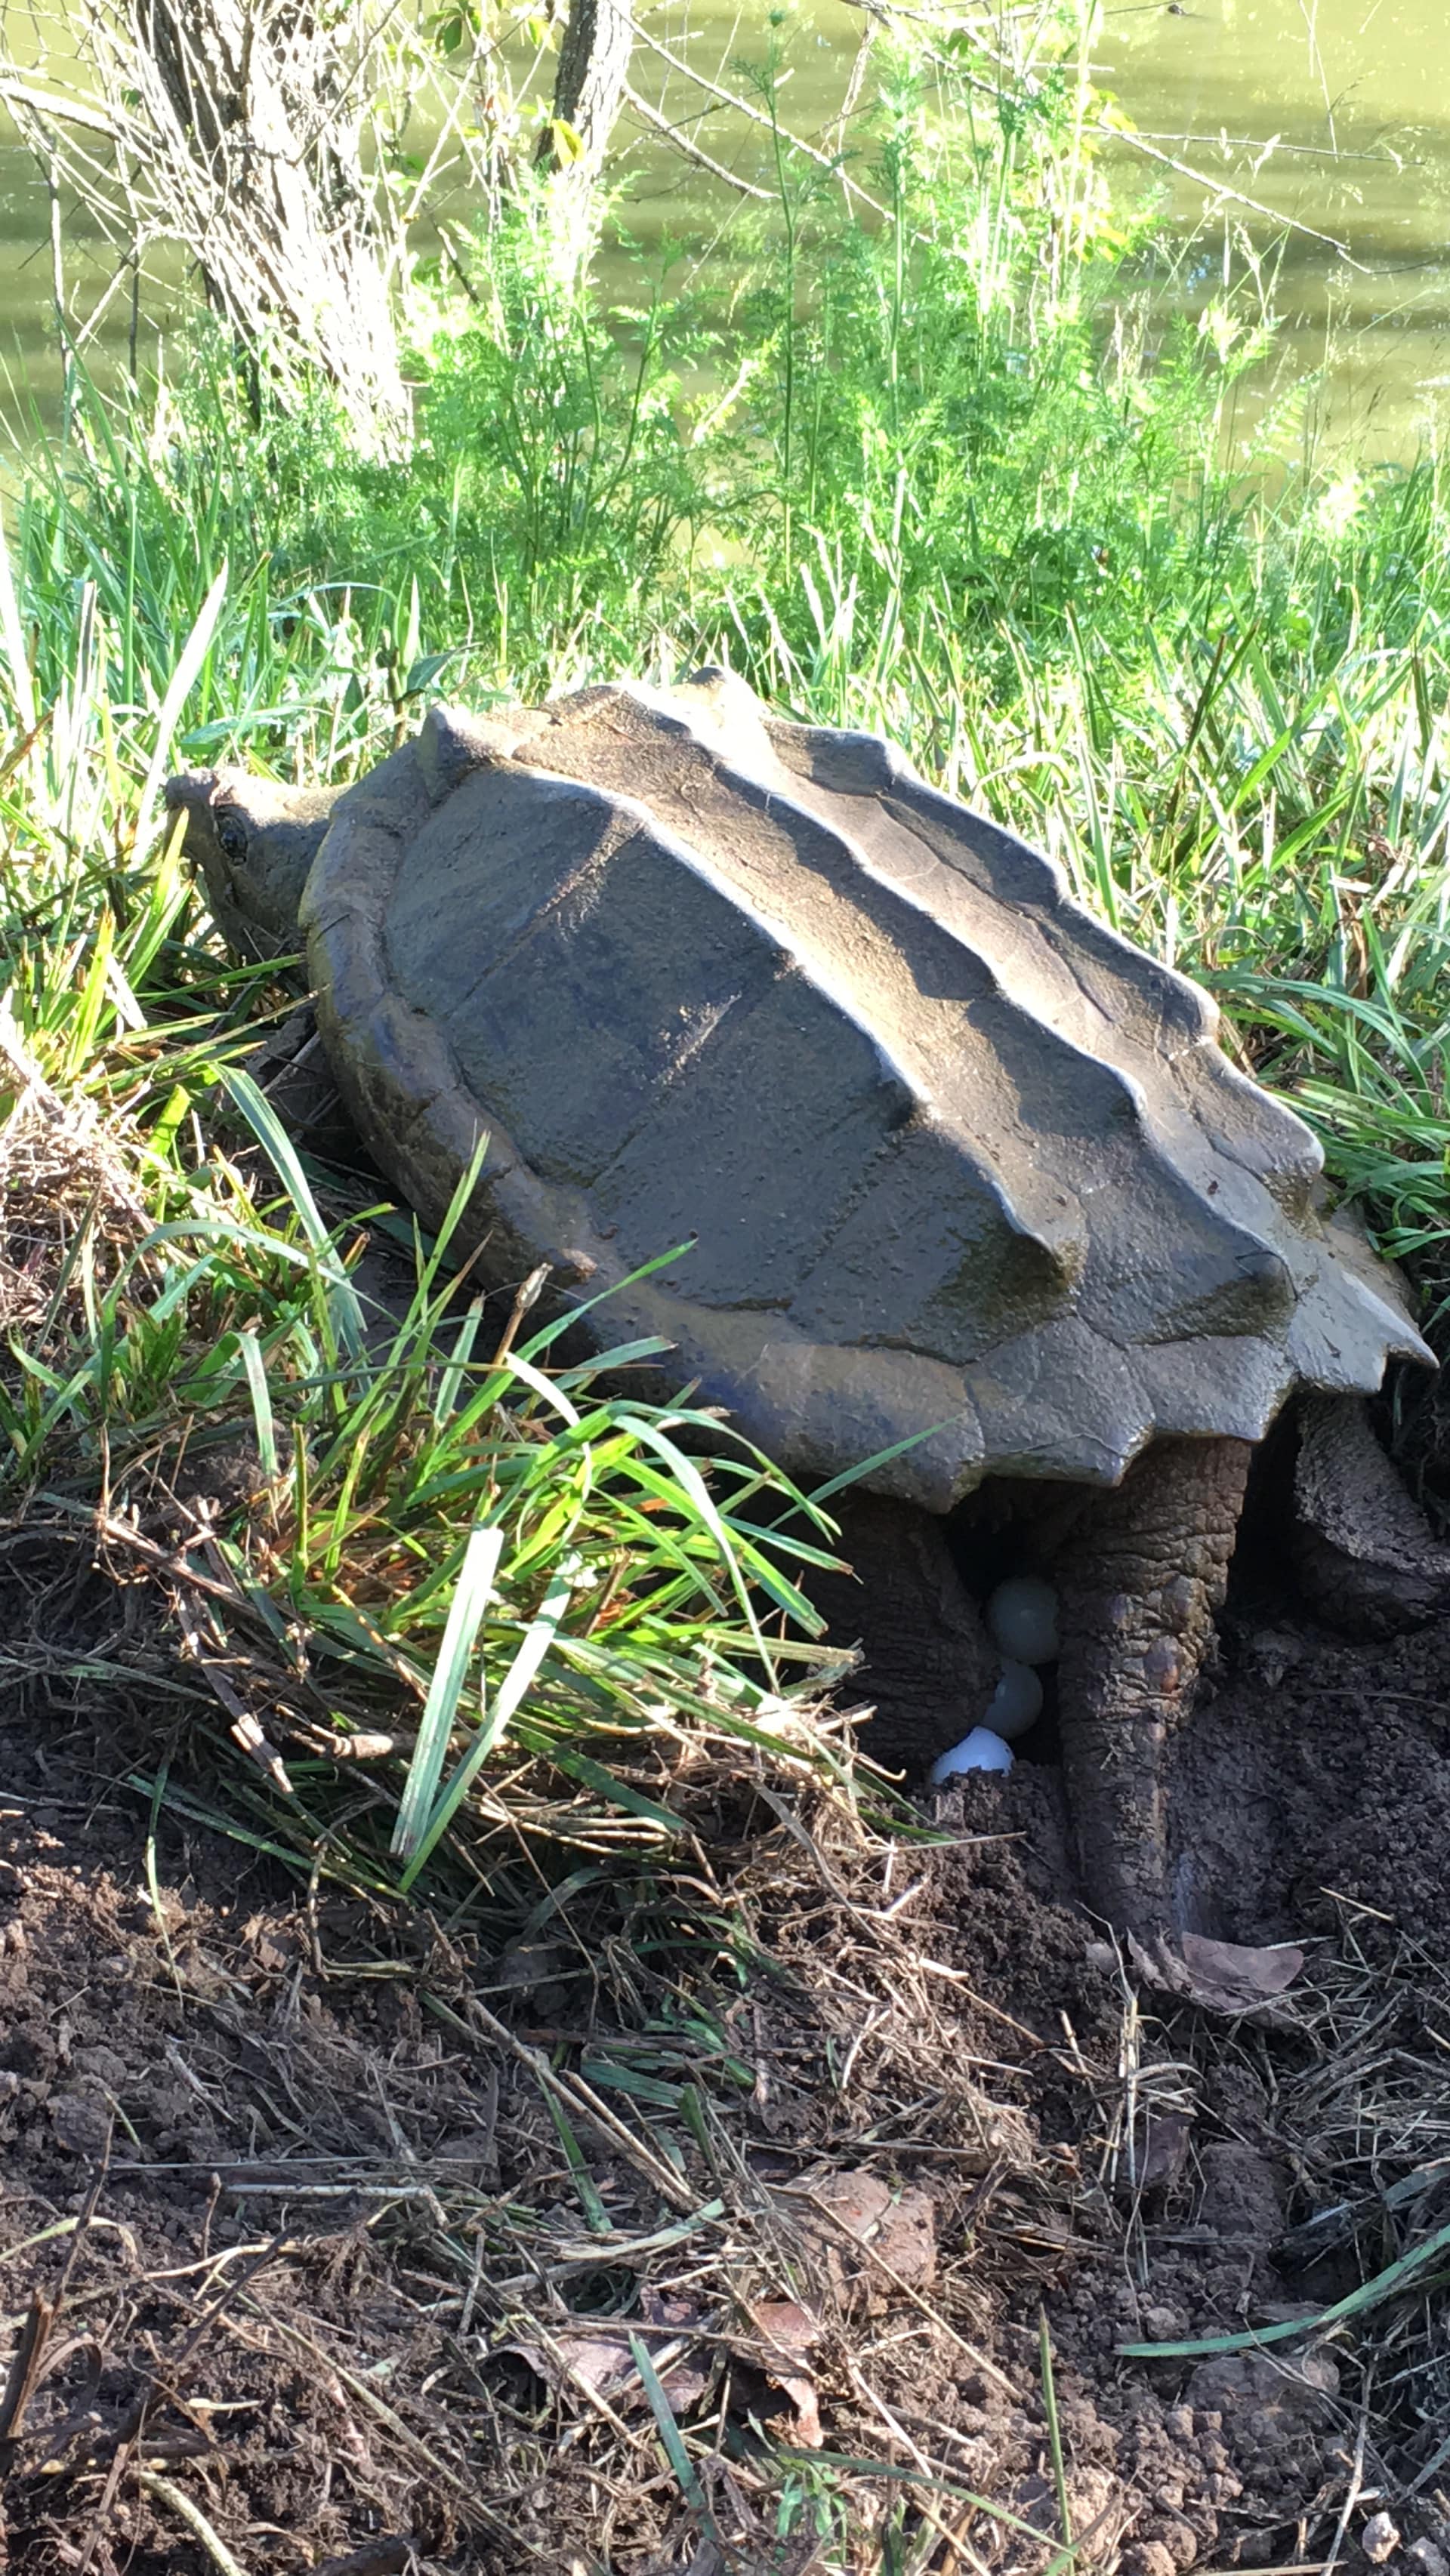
point(325, 2229)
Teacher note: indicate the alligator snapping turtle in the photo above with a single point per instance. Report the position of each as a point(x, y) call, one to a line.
point(961, 1168)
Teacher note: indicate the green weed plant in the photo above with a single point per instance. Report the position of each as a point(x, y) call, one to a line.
point(918, 452)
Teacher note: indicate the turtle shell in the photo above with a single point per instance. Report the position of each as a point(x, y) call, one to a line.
point(955, 1165)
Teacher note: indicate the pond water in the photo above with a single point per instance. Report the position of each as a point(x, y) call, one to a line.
point(1353, 96)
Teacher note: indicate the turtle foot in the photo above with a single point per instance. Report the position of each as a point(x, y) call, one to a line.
point(1140, 1580)
point(1363, 1552)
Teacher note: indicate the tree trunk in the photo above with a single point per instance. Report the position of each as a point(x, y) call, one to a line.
point(252, 102)
point(236, 129)
point(589, 86)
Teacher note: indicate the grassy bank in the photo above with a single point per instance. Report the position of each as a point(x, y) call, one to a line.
point(412, 1607)
point(927, 465)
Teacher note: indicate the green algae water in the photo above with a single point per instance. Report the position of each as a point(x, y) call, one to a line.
point(1332, 116)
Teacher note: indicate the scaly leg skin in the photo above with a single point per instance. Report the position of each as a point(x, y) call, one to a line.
point(1365, 1554)
point(1140, 1580)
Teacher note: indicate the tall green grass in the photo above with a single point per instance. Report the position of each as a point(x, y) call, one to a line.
point(942, 470)
point(929, 465)
point(443, 1551)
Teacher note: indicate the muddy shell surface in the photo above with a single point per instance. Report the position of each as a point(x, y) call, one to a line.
point(954, 1163)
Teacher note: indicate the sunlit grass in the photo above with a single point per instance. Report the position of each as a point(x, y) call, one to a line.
point(957, 492)
point(1270, 821)
point(938, 482)
point(433, 1531)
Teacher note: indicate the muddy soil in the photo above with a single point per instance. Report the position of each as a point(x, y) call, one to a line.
point(332, 2292)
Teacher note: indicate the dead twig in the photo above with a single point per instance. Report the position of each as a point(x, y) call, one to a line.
point(163, 2491)
point(692, 151)
point(848, 2240)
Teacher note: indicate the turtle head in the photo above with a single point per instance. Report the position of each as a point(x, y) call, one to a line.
point(254, 843)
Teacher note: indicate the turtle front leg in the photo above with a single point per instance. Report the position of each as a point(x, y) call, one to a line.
point(1140, 1579)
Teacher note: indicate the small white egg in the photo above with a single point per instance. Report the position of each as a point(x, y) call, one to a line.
point(1016, 1703)
point(1022, 1619)
point(979, 1751)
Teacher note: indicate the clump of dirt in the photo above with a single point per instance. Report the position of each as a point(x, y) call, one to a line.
point(1312, 1803)
point(342, 2230)
point(1321, 1770)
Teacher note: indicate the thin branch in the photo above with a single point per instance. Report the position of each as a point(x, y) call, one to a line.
point(757, 116)
point(69, 111)
point(1219, 188)
point(885, 11)
point(692, 152)
point(1265, 145)
point(122, 277)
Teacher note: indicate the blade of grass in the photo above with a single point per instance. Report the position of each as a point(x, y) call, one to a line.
point(471, 1596)
point(183, 679)
point(535, 1644)
point(679, 2458)
point(596, 2215)
point(12, 637)
point(272, 1136)
point(1407, 2272)
point(1054, 2429)
point(261, 1395)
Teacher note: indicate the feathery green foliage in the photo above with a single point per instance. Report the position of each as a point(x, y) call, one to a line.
point(936, 469)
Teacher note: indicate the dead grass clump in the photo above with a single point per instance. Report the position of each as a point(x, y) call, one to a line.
point(70, 1210)
point(1368, 2116)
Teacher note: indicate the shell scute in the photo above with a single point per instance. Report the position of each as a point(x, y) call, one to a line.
point(957, 1166)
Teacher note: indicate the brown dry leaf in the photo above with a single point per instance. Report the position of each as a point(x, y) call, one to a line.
point(670, 2308)
point(1221, 1976)
point(1165, 2150)
point(604, 2365)
point(898, 2229)
point(805, 2424)
point(788, 2328)
point(786, 2332)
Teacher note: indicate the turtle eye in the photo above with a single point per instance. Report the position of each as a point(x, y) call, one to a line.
point(231, 833)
